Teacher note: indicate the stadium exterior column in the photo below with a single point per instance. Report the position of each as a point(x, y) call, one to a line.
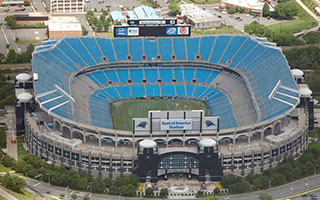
point(234, 137)
point(262, 133)
point(84, 137)
point(249, 137)
point(99, 138)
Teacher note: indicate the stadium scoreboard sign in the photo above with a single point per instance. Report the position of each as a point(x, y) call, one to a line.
point(136, 22)
point(184, 120)
point(175, 124)
point(153, 30)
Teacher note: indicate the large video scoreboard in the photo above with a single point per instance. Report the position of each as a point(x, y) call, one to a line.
point(152, 30)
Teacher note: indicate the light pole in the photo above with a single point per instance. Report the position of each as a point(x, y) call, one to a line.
point(67, 192)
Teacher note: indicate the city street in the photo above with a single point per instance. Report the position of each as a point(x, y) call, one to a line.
point(278, 192)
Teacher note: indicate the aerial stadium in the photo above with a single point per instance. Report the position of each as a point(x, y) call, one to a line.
point(198, 107)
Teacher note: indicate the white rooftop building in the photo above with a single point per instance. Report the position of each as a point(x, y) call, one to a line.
point(253, 6)
point(198, 17)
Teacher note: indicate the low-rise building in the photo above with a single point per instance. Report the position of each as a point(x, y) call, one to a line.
point(59, 26)
point(249, 6)
point(198, 17)
point(31, 18)
point(65, 6)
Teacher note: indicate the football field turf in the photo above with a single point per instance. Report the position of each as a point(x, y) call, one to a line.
point(122, 112)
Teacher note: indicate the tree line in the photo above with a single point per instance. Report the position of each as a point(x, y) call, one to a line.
point(100, 24)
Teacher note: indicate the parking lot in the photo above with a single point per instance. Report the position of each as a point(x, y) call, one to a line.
point(238, 20)
point(117, 4)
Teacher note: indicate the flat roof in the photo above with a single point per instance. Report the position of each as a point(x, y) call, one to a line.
point(64, 27)
point(252, 4)
point(11, 2)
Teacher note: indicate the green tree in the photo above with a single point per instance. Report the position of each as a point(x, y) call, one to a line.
point(216, 191)
point(13, 183)
point(266, 10)
point(212, 198)
point(149, 192)
point(84, 30)
point(164, 193)
point(86, 198)
point(264, 196)
point(99, 26)
point(98, 185)
point(102, 18)
point(312, 37)
point(74, 196)
point(254, 28)
point(286, 10)
point(173, 8)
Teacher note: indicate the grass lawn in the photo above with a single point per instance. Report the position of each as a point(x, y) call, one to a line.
point(3, 139)
point(105, 34)
point(302, 22)
point(28, 41)
point(315, 133)
point(223, 30)
point(4, 169)
point(122, 112)
point(311, 4)
point(21, 151)
point(204, 1)
point(2, 198)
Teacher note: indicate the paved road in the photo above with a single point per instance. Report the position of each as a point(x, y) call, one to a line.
point(11, 124)
point(38, 6)
point(278, 192)
point(6, 195)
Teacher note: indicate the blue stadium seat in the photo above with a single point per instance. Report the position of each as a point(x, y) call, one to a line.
point(168, 90)
point(64, 47)
point(121, 48)
point(221, 43)
point(166, 74)
point(136, 50)
point(179, 48)
point(150, 49)
point(123, 75)
point(165, 48)
point(192, 47)
point(138, 91)
point(181, 92)
point(100, 77)
point(178, 74)
point(124, 91)
point(151, 74)
point(202, 74)
point(76, 44)
point(232, 48)
point(106, 48)
point(190, 88)
point(153, 90)
point(111, 74)
point(136, 75)
point(91, 45)
point(206, 45)
point(188, 74)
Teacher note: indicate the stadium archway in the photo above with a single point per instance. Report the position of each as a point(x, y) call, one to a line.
point(192, 142)
point(124, 142)
point(77, 135)
point(175, 142)
point(107, 141)
point(277, 128)
point(267, 131)
point(161, 142)
point(243, 138)
point(92, 139)
point(66, 132)
point(255, 136)
point(225, 141)
point(57, 126)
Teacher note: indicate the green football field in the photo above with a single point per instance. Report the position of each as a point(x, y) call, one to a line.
point(122, 112)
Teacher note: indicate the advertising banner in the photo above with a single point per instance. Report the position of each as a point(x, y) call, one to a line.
point(176, 124)
point(133, 31)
